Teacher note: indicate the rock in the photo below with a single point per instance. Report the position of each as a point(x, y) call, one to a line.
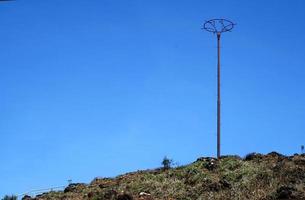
point(145, 196)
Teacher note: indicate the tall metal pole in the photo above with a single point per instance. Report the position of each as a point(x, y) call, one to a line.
point(218, 96)
point(218, 26)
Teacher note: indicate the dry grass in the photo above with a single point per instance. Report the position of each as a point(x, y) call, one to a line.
point(265, 177)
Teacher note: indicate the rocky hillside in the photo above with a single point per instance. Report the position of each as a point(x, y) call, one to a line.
point(257, 176)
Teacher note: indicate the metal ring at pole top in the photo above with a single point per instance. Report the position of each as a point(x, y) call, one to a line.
point(218, 25)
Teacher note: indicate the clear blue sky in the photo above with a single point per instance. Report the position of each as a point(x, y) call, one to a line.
point(103, 87)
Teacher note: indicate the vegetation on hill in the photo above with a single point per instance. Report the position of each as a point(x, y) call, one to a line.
point(7, 197)
point(257, 176)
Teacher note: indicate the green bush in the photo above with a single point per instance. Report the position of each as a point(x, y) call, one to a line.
point(7, 197)
point(167, 163)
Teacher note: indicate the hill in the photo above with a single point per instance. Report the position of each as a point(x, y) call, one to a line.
point(257, 176)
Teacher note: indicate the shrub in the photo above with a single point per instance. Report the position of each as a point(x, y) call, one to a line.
point(167, 163)
point(253, 156)
point(12, 197)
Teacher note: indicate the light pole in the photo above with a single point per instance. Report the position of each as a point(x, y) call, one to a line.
point(218, 26)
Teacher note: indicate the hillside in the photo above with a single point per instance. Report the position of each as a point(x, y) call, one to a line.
point(257, 176)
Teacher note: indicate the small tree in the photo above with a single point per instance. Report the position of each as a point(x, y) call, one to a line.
point(167, 163)
point(7, 197)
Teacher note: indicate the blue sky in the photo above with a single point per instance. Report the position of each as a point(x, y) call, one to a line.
point(99, 88)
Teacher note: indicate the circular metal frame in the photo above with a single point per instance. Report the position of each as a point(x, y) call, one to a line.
point(218, 25)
